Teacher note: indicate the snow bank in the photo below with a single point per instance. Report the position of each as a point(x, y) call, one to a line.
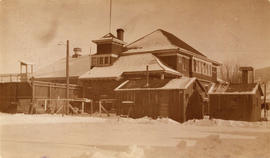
point(227, 123)
point(147, 120)
point(213, 146)
point(6, 119)
point(133, 152)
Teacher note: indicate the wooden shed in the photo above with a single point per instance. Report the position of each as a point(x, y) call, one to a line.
point(179, 98)
point(236, 101)
point(18, 96)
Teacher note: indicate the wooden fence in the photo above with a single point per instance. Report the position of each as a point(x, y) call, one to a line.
point(19, 96)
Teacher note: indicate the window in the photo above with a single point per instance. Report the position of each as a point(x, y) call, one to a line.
point(184, 64)
point(179, 60)
point(94, 61)
point(198, 66)
point(101, 60)
point(204, 68)
point(106, 60)
point(194, 65)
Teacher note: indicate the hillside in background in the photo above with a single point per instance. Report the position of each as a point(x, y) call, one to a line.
point(262, 74)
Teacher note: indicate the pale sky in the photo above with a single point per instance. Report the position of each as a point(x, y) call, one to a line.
point(224, 30)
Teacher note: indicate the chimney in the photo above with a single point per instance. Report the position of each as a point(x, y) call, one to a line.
point(120, 34)
point(76, 52)
point(245, 75)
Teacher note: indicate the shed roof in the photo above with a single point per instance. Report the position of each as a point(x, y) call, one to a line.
point(159, 40)
point(129, 63)
point(156, 84)
point(239, 88)
point(77, 67)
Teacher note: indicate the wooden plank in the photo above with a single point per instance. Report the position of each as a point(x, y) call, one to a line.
point(45, 106)
point(82, 107)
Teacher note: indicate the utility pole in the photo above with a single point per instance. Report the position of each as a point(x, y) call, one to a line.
point(66, 109)
point(264, 100)
point(110, 22)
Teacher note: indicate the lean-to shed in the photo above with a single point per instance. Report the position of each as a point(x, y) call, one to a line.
point(179, 98)
point(236, 101)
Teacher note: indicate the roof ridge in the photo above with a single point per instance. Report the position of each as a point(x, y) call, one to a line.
point(166, 34)
point(143, 37)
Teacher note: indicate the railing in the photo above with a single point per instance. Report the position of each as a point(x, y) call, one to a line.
point(15, 77)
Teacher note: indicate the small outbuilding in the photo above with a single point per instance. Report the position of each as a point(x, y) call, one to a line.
point(179, 98)
point(238, 101)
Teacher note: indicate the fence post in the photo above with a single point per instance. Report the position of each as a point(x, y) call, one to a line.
point(99, 103)
point(45, 106)
point(91, 106)
point(82, 107)
point(33, 96)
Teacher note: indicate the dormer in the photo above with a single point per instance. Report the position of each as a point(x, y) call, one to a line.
point(109, 44)
point(108, 49)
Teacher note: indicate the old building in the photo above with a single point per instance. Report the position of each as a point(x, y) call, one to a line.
point(236, 101)
point(180, 99)
point(56, 71)
point(165, 75)
point(164, 53)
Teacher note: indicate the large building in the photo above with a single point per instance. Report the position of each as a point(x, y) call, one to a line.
point(152, 63)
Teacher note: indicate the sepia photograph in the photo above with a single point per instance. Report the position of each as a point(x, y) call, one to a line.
point(134, 78)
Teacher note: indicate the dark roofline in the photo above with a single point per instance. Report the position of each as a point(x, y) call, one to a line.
point(174, 40)
point(251, 92)
point(178, 42)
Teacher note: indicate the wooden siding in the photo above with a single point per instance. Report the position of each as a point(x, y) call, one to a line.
point(184, 66)
point(109, 48)
point(97, 89)
point(163, 103)
point(17, 96)
point(152, 103)
point(245, 107)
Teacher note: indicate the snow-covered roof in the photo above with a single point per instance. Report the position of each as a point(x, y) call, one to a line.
point(156, 84)
point(223, 88)
point(129, 63)
point(109, 38)
point(77, 67)
point(159, 40)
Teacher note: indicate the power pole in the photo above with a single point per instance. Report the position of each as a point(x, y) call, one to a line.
point(264, 100)
point(66, 109)
point(110, 22)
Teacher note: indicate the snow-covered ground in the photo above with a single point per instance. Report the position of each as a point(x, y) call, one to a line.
point(54, 136)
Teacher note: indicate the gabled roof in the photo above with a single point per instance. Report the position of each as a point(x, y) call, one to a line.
point(157, 84)
point(159, 40)
point(237, 88)
point(77, 67)
point(129, 63)
point(109, 35)
point(108, 38)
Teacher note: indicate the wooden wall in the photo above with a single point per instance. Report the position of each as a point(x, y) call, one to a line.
point(97, 89)
point(17, 96)
point(109, 48)
point(244, 107)
point(11, 92)
point(152, 103)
